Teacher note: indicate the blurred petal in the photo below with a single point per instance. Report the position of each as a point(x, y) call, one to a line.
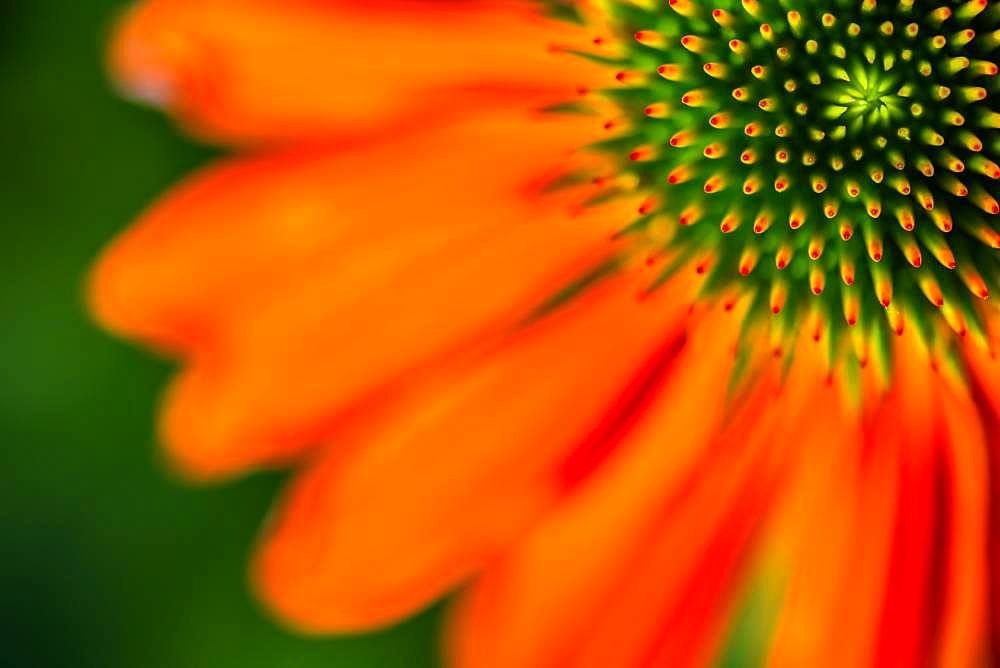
point(679, 505)
point(325, 275)
point(419, 498)
point(910, 620)
point(964, 608)
point(237, 70)
point(985, 391)
point(891, 566)
point(222, 238)
point(841, 571)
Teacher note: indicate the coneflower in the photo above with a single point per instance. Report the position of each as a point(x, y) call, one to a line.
point(400, 295)
point(837, 159)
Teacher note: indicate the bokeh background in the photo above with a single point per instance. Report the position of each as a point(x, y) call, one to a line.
point(106, 560)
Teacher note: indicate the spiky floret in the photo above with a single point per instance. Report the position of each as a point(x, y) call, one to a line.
point(837, 159)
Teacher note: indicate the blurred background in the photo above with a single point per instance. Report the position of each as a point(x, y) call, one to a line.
point(105, 559)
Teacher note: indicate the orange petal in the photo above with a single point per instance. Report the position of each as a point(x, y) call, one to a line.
point(773, 438)
point(327, 275)
point(930, 537)
point(908, 628)
point(593, 582)
point(873, 568)
point(985, 391)
point(964, 606)
point(218, 239)
point(957, 419)
point(238, 70)
point(415, 501)
point(840, 578)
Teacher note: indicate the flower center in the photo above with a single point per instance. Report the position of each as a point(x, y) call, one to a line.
point(841, 167)
point(866, 100)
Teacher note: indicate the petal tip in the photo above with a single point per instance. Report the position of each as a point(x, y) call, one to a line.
point(149, 57)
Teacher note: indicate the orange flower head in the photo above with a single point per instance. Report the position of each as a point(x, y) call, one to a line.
point(665, 330)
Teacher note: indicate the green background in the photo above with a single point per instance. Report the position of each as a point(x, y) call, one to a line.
point(105, 560)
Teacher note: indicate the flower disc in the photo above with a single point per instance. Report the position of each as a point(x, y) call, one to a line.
point(838, 160)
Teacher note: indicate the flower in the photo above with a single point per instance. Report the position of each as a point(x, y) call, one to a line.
point(495, 284)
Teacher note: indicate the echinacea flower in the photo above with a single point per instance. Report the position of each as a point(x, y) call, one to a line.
point(663, 331)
